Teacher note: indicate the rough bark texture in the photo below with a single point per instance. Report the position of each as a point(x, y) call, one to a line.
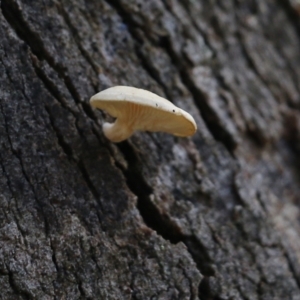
point(215, 216)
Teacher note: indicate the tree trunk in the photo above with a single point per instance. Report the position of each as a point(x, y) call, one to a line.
point(215, 216)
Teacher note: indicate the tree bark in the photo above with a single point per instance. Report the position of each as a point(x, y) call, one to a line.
point(215, 216)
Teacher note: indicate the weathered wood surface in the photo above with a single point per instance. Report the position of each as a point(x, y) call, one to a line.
point(215, 216)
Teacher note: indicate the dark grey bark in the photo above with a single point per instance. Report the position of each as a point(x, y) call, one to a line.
point(215, 216)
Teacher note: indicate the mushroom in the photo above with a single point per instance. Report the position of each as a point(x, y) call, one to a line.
point(137, 109)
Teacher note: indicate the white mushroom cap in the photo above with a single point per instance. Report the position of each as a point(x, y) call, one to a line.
point(137, 109)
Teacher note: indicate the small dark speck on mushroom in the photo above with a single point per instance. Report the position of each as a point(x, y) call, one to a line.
point(156, 105)
point(173, 110)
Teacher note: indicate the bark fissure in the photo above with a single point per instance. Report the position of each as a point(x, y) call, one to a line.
point(14, 17)
point(63, 145)
point(151, 71)
point(53, 90)
point(73, 159)
point(153, 218)
point(77, 39)
point(89, 182)
point(49, 84)
point(209, 115)
point(53, 257)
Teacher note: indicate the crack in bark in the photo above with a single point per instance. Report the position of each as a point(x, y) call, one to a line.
point(71, 156)
point(151, 70)
point(89, 182)
point(51, 87)
point(13, 14)
point(77, 38)
point(162, 224)
point(80, 288)
point(53, 90)
point(49, 84)
point(53, 256)
point(63, 145)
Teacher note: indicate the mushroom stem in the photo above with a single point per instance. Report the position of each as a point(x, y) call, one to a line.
point(117, 131)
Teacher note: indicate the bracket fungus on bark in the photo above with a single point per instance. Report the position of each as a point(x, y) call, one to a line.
point(137, 109)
